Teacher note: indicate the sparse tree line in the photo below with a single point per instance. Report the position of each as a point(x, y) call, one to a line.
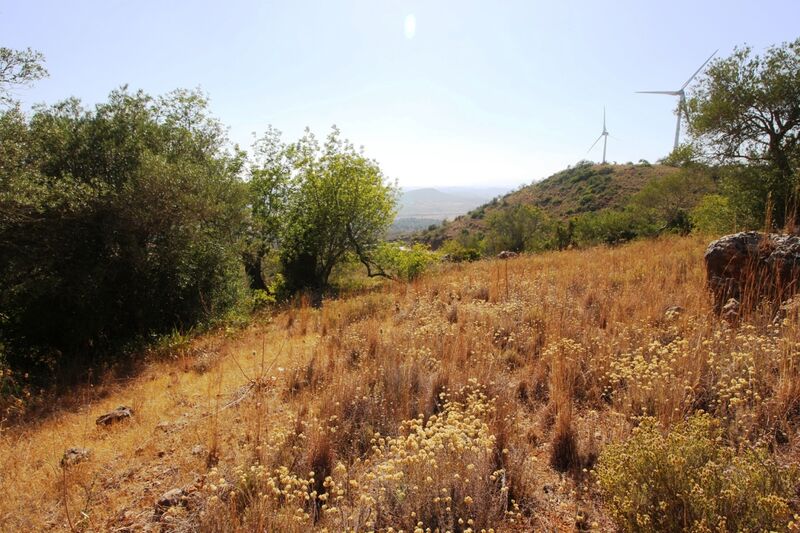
point(137, 217)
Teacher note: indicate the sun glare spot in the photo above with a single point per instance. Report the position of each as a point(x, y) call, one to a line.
point(410, 26)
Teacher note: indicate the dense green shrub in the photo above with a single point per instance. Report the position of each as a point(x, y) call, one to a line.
point(116, 223)
point(404, 262)
point(714, 215)
point(749, 190)
point(613, 226)
point(519, 228)
point(690, 480)
point(669, 199)
point(457, 252)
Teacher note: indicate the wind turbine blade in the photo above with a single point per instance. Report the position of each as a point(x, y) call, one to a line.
point(594, 143)
point(696, 72)
point(671, 93)
point(604, 118)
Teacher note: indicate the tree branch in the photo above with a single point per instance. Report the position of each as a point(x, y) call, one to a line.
point(365, 260)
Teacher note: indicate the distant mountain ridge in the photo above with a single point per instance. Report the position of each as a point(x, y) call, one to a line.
point(443, 203)
point(420, 208)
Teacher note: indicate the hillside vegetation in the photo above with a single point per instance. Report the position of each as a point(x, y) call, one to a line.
point(519, 395)
point(581, 189)
point(195, 338)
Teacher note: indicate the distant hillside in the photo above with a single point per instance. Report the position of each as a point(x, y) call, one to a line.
point(421, 208)
point(405, 226)
point(438, 204)
point(565, 194)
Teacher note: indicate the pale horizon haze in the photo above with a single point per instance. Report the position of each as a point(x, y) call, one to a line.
point(440, 93)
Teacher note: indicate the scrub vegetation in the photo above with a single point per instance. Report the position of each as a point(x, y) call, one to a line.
point(194, 338)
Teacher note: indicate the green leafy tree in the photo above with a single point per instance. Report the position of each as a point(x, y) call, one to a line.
point(19, 67)
point(748, 194)
point(339, 202)
point(671, 197)
point(714, 215)
point(268, 193)
point(519, 228)
point(686, 155)
point(746, 108)
point(115, 223)
point(404, 262)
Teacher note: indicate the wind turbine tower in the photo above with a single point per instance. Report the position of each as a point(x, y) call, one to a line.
point(603, 136)
point(681, 98)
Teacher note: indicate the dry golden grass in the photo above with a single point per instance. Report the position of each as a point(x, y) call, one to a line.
point(476, 397)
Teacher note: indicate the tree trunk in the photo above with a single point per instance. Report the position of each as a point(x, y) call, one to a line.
point(252, 266)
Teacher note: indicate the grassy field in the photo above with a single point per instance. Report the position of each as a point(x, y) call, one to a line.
point(497, 395)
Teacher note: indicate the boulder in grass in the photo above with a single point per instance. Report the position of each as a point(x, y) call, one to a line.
point(673, 312)
point(752, 266)
point(171, 498)
point(117, 415)
point(73, 456)
point(730, 311)
point(186, 498)
point(507, 254)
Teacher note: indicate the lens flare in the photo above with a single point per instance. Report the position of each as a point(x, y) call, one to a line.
point(410, 26)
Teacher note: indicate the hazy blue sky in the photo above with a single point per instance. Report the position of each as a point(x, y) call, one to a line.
point(493, 93)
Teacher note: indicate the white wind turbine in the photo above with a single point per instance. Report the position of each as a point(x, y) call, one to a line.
point(603, 136)
point(681, 97)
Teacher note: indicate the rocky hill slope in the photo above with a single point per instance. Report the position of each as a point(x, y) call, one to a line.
point(576, 190)
point(480, 395)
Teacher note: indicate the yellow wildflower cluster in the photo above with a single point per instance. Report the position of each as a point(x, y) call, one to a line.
point(441, 473)
point(691, 480)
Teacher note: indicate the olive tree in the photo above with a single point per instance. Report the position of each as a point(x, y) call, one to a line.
point(519, 228)
point(269, 187)
point(746, 109)
point(338, 203)
point(19, 67)
point(116, 222)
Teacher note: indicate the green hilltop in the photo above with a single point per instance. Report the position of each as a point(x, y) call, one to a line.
point(583, 188)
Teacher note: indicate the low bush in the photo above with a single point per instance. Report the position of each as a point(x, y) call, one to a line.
point(456, 252)
point(519, 228)
point(404, 262)
point(690, 480)
point(613, 227)
point(714, 215)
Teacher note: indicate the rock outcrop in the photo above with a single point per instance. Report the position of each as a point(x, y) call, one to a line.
point(673, 311)
point(751, 266)
point(120, 413)
point(73, 456)
point(507, 254)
